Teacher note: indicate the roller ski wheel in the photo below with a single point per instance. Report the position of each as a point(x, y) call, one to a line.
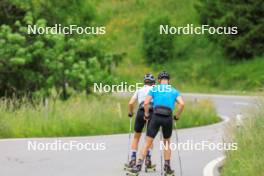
point(168, 171)
point(149, 167)
point(127, 167)
point(130, 165)
point(132, 174)
point(134, 171)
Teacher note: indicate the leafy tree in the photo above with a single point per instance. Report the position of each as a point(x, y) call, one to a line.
point(9, 12)
point(36, 64)
point(156, 47)
point(76, 12)
point(246, 15)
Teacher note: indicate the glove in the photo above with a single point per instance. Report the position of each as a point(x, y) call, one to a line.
point(175, 117)
point(146, 117)
point(130, 114)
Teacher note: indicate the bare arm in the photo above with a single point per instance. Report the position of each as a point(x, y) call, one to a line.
point(180, 103)
point(131, 105)
point(146, 104)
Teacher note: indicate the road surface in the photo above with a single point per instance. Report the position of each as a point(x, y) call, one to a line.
point(17, 160)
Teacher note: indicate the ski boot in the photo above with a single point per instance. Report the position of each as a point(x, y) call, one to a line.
point(168, 171)
point(134, 171)
point(148, 165)
point(130, 165)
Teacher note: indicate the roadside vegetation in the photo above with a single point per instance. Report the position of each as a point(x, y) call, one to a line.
point(249, 158)
point(63, 67)
point(198, 64)
point(82, 116)
point(198, 113)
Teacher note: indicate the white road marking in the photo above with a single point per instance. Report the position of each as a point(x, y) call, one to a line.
point(210, 167)
point(242, 103)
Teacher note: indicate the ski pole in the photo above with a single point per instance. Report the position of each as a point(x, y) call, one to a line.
point(129, 138)
point(177, 141)
point(161, 158)
point(146, 126)
point(146, 129)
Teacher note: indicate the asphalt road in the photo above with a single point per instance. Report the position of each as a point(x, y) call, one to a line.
point(17, 160)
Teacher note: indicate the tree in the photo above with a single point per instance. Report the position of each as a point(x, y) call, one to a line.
point(37, 64)
point(157, 48)
point(246, 15)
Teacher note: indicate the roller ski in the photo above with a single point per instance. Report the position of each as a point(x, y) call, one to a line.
point(130, 165)
point(168, 171)
point(149, 167)
point(134, 171)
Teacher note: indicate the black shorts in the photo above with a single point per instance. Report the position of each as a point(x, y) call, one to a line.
point(158, 121)
point(140, 121)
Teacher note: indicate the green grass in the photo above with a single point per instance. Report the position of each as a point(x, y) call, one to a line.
point(198, 114)
point(216, 74)
point(249, 158)
point(78, 116)
point(198, 64)
point(81, 116)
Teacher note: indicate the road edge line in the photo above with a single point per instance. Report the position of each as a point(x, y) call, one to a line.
point(210, 167)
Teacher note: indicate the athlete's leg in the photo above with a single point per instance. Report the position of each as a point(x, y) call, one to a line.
point(144, 151)
point(152, 131)
point(167, 132)
point(134, 145)
point(149, 153)
point(150, 150)
point(139, 125)
point(135, 141)
point(151, 147)
point(167, 150)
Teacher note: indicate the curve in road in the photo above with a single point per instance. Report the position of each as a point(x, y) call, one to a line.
point(17, 160)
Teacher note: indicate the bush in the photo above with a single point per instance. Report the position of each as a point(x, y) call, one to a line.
point(249, 158)
point(246, 15)
point(157, 48)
